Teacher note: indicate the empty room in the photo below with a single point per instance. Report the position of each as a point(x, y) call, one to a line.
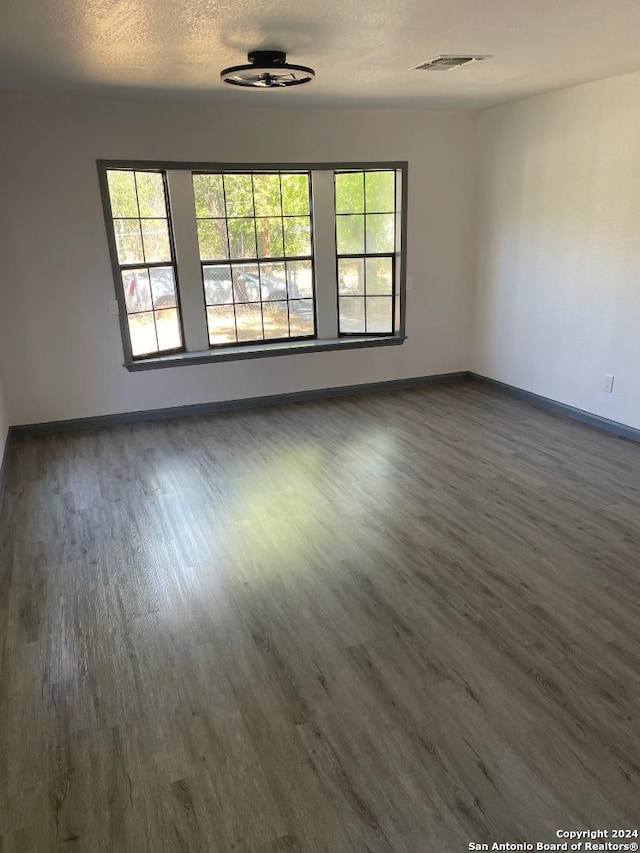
point(319, 426)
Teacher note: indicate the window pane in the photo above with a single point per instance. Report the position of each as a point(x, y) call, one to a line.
point(270, 240)
point(349, 192)
point(122, 192)
point(137, 291)
point(142, 331)
point(295, 195)
point(249, 322)
point(351, 319)
point(350, 276)
point(239, 195)
point(208, 195)
point(273, 282)
point(151, 194)
point(222, 325)
point(379, 314)
point(242, 238)
point(381, 192)
point(297, 236)
point(380, 232)
point(301, 320)
point(246, 283)
point(267, 195)
point(212, 239)
point(163, 287)
point(350, 235)
point(128, 241)
point(276, 320)
point(217, 285)
point(155, 237)
point(300, 279)
point(168, 329)
point(379, 276)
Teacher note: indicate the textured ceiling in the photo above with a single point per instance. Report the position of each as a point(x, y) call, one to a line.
point(361, 49)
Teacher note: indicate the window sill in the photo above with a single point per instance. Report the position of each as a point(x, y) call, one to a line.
point(262, 350)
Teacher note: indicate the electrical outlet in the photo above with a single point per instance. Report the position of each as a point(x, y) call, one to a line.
point(607, 385)
point(113, 307)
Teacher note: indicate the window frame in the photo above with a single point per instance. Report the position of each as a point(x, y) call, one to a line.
point(229, 262)
point(118, 268)
point(269, 347)
point(363, 256)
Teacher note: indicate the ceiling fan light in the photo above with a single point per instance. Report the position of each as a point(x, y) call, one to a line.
point(267, 69)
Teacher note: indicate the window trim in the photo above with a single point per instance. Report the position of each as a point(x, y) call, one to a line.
point(266, 348)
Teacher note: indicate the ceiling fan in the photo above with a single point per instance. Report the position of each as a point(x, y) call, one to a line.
point(267, 69)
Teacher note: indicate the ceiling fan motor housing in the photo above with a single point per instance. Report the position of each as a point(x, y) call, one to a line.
point(264, 58)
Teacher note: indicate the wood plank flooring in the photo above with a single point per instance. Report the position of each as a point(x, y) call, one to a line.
point(401, 622)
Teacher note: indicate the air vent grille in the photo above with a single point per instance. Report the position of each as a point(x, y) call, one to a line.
point(447, 62)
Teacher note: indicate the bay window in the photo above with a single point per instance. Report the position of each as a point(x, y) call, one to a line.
point(215, 262)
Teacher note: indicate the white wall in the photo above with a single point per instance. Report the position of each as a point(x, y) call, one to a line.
point(557, 302)
point(57, 333)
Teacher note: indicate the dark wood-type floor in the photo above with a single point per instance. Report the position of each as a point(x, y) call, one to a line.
point(400, 622)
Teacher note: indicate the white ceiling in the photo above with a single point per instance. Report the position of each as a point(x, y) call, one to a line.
point(361, 49)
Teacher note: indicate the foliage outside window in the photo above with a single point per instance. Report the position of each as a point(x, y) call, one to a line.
point(254, 235)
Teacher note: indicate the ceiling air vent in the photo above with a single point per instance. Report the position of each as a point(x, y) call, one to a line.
point(446, 62)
